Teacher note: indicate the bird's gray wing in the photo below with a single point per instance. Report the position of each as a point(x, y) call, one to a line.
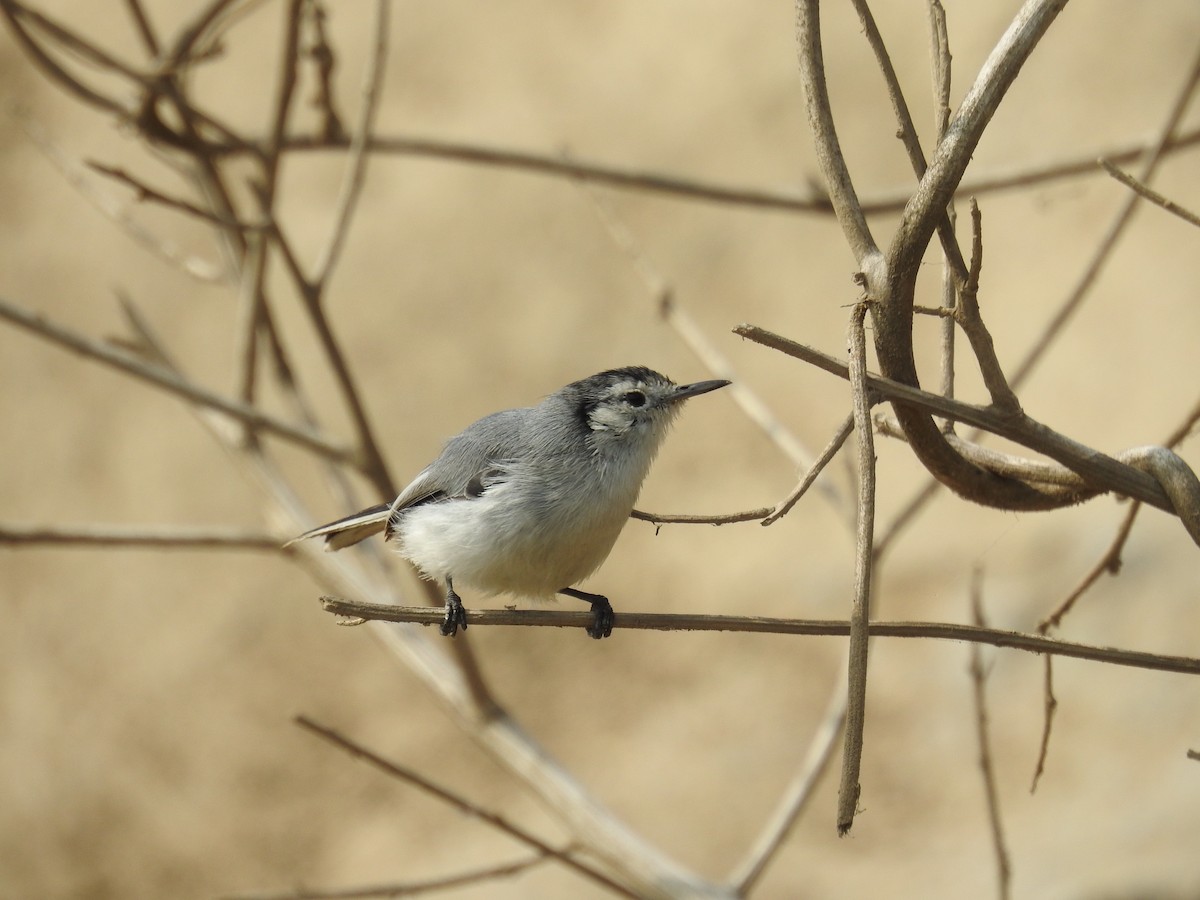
point(470, 462)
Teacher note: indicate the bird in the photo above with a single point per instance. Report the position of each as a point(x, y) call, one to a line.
point(530, 501)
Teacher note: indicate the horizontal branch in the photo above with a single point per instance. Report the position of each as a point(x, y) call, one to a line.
point(1102, 472)
point(748, 515)
point(792, 200)
point(946, 631)
point(151, 536)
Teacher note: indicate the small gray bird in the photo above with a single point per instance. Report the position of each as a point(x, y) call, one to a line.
point(530, 501)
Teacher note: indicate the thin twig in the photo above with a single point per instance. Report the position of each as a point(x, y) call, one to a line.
point(250, 317)
point(658, 519)
point(286, 89)
point(252, 306)
point(356, 164)
point(1147, 193)
point(986, 767)
point(159, 537)
point(321, 53)
point(407, 889)
point(1115, 229)
point(795, 795)
point(784, 506)
point(84, 50)
point(982, 99)
point(464, 806)
point(1049, 710)
point(970, 319)
point(144, 28)
point(627, 621)
point(1109, 562)
point(940, 58)
point(372, 463)
point(145, 193)
point(939, 54)
point(860, 610)
point(555, 164)
point(907, 132)
point(172, 383)
point(116, 210)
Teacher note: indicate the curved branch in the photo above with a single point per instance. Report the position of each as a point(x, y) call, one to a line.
point(1154, 475)
point(829, 152)
point(893, 313)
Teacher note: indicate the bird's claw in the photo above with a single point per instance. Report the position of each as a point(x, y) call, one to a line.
point(602, 619)
point(456, 616)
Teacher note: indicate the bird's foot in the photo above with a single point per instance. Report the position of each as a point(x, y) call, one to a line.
point(602, 612)
point(456, 616)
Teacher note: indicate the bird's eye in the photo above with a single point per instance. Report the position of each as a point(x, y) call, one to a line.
point(635, 398)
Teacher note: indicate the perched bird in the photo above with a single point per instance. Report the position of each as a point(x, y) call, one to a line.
point(530, 501)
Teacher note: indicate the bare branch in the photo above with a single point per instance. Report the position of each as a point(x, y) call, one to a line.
point(153, 195)
point(321, 52)
point(1147, 193)
point(1109, 562)
point(939, 54)
point(144, 28)
point(283, 103)
point(373, 464)
point(1099, 472)
point(75, 176)
point(893, 318)
point(1049, 710)
point(784, 506)
point(795, 795)
point(968, 316)
point(658, 519)
point(17, 14)
point(173, 383)
point(250, 317)
point(986, 768)
point(1115, 229)
point(954, 152)
point(829, 153)
point(627, 621)
point(907, 132)
point(452, 799)
point(407, 889)
point(860, 610)
point(356, 165)
point(185, 537)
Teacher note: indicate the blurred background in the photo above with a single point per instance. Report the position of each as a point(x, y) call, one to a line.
point(147, 697)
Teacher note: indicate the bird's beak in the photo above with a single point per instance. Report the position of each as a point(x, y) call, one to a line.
point(692, 390)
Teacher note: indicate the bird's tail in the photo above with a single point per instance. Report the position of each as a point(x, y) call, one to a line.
point(351, 529)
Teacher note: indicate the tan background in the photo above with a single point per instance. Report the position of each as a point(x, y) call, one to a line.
point(146, 698)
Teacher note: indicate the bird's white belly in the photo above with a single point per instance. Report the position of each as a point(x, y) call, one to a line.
point(480, 542)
